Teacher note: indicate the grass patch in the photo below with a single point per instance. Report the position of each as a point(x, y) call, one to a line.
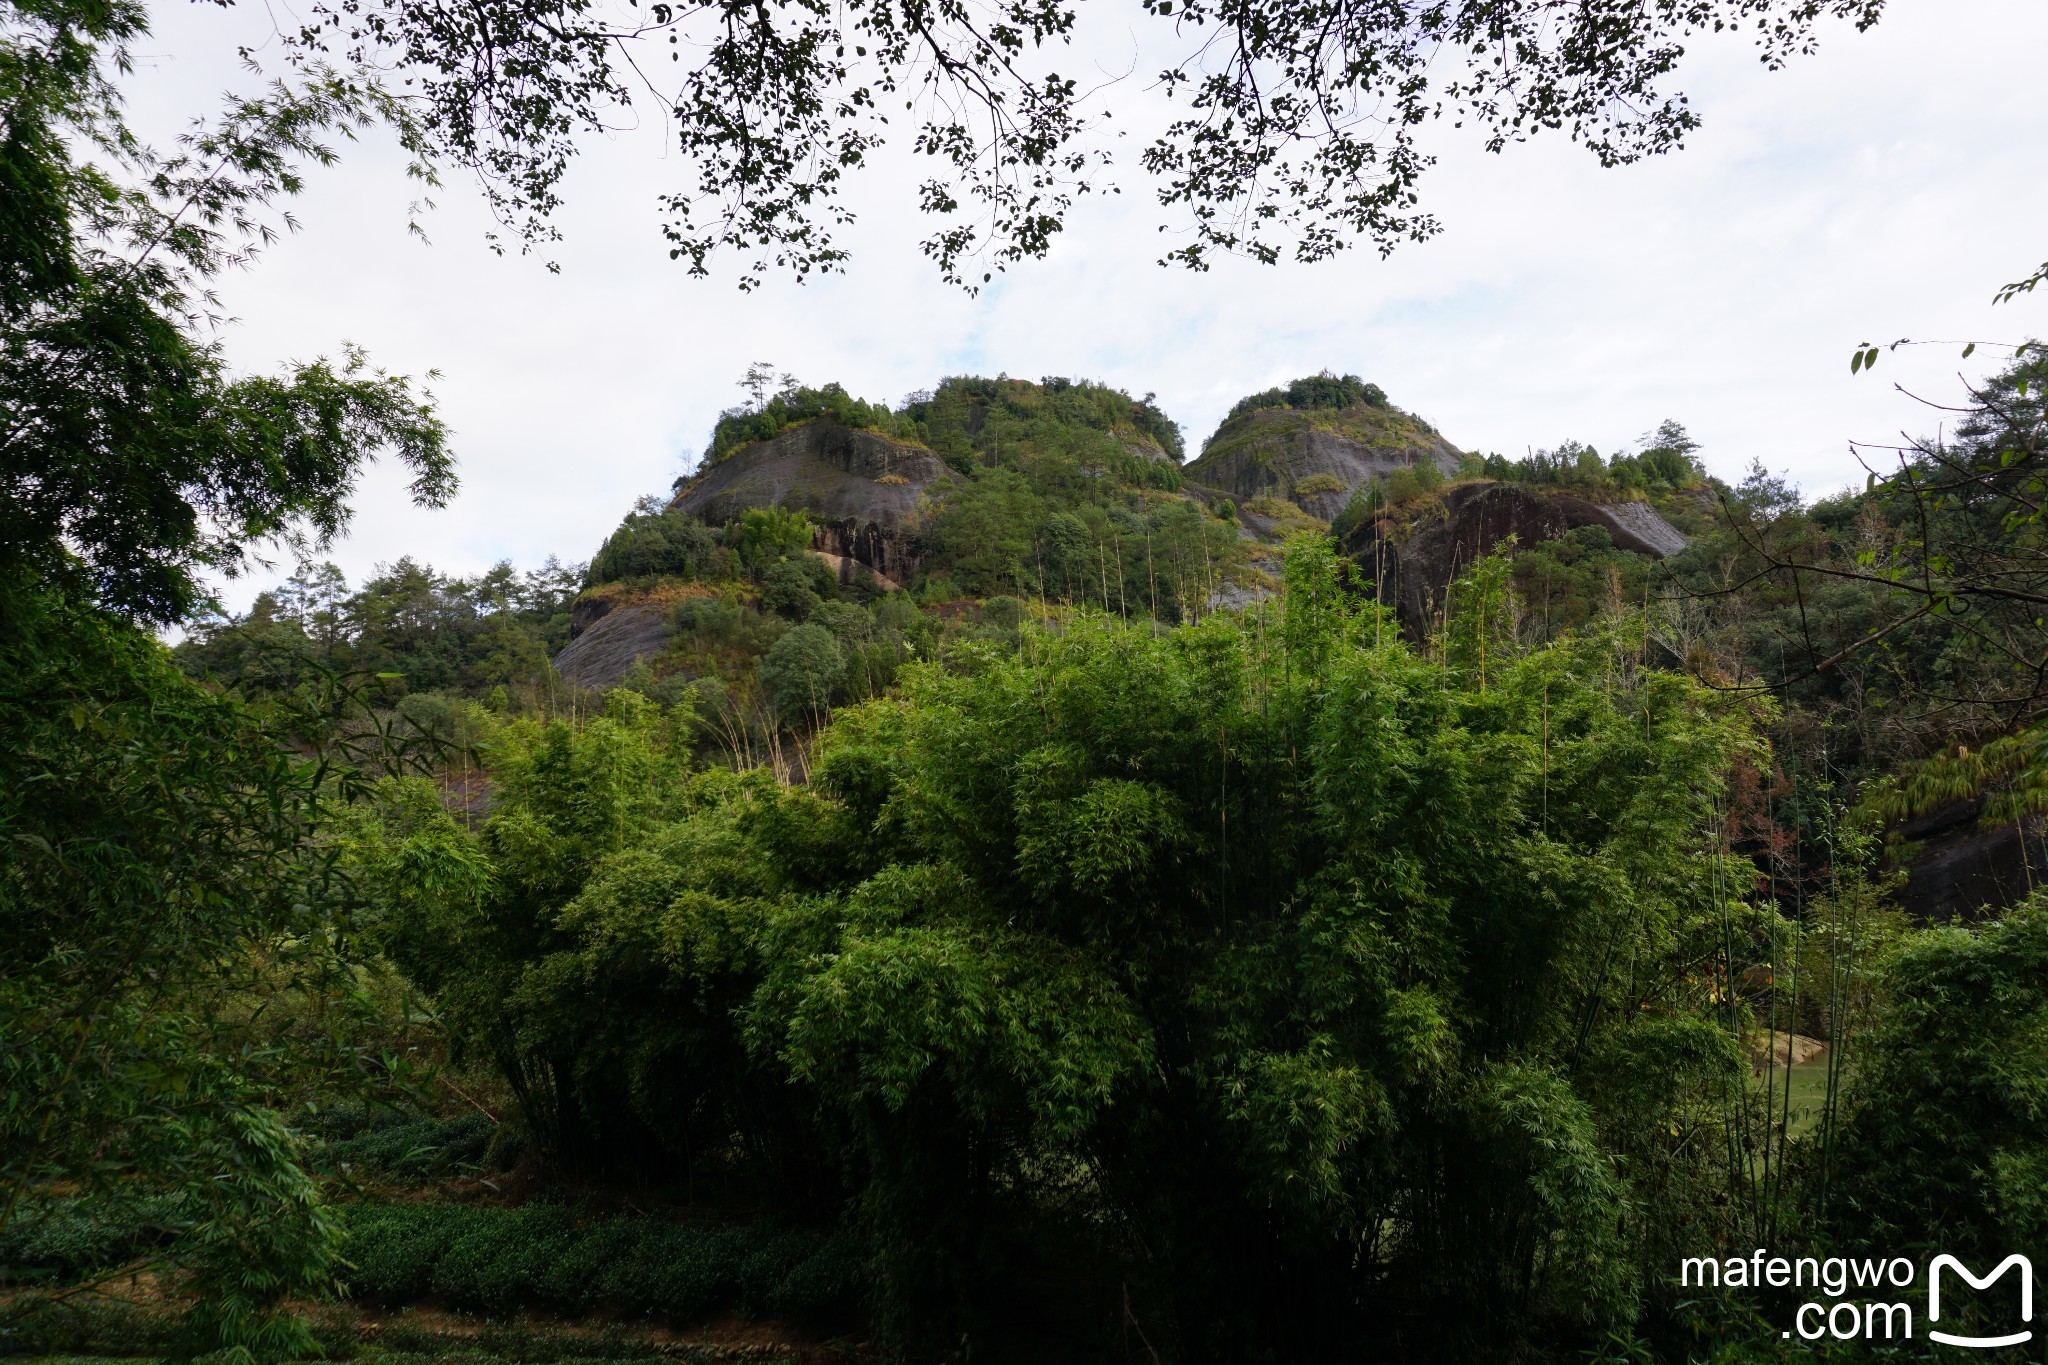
point(1808, 1082)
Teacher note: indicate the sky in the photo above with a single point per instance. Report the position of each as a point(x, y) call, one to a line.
point(1883, 188)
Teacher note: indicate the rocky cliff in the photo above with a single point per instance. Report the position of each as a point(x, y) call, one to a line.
point(1316, 457)
point(1959, 866)
point(1413, 554)
point(866, 493)
point(609, 642)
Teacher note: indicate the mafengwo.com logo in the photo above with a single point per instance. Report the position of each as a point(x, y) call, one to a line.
point(1871, 1299)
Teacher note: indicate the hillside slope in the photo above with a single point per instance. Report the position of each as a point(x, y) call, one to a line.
point(1316, 457)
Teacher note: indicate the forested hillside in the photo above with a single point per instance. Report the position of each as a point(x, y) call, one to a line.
point(1088, 913)
point(989, 877)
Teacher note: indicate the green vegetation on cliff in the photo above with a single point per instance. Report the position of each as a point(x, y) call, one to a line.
point(1665, 461)
point(1323, 390)
point(768, 417)
point(967, 419)
point(1315, 442)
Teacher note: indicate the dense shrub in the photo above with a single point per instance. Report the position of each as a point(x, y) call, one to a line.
point(828, 1284)
point(498, 1263)
point(803, 672)
point(739, 426)
point(1667, 462)
point(1272, 908)
point(494, 1261)
point(400, 1144)
point(1412, 481)
point(61, 1241)
point(1052, 408)
point(765, 536)
point(654, 541)
point(790, 589)
point(1947, 1139)
point(849, 622)
point(393, 1249)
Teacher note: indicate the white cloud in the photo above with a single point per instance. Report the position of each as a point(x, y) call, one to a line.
point(1884, 187)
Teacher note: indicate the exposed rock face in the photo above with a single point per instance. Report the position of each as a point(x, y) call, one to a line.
point(883, 557)
point(1962, 867)
point(1640, 520)
point(863, 491)
point(1775, 1049)
point(1414, 564)
point(606, 647)
point(1315, 458)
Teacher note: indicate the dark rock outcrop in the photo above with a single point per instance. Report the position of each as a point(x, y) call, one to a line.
point(864, 492)
point(1414, 561)
point(1315, 459)
point(605, 648)
point(1958, 866)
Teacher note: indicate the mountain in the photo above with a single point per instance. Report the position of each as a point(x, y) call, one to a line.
point(1315, 443)
point(866, 494)
point(1074, 492)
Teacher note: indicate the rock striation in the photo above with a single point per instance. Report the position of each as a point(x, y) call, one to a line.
point(607, 643)
point(1413, 560)
point(864, 492)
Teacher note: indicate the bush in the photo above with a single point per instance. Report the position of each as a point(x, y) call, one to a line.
point(497, 1264)
point(395, 1248)
point(849, 622)
point(770, 1264)
point(606, 1263)
point(802, 673)
point(765, 536)
point(1412, 481)
point(716, 619)
point(790, 589)
point(792, 407)
point(1944, 1143)
point(494, 1261)
point(1005, 613)
point(653, 541)
point(417, 1147)
point(1323, 390)
point(828, 1286)
point(58, 1242)
point(701, 1269)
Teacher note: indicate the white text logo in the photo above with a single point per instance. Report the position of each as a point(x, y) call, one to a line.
point(2026, 1269)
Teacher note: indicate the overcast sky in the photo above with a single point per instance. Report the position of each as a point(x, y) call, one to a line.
point(1883, 188)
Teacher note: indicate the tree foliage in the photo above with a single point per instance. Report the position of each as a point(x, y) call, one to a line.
point(1299, 128)
point(1944, 1143)
point(793, 405)
point(160, 862)
point(161, 871)
point(133, 455)
point(653, 541)
point(1355, 943)
point(1323, 390)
